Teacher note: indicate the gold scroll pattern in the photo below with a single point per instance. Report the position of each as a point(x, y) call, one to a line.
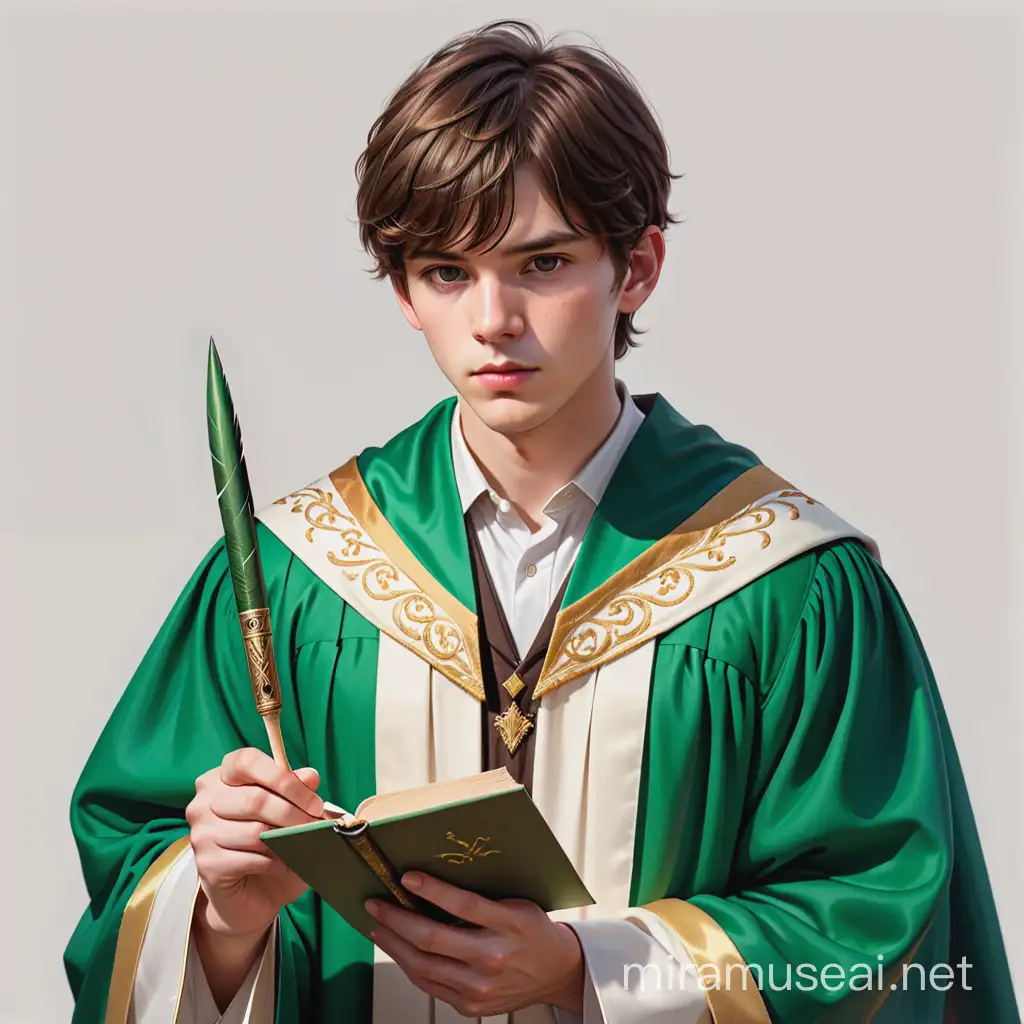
point(420, 622)
point(619, 616)
point(259, 653)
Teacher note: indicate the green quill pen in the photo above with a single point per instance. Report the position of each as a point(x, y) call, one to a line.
point(238, 516)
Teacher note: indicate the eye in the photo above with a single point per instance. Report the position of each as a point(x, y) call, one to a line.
point(443, 275)
point(546, 263)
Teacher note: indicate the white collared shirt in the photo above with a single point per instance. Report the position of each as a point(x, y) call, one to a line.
point(529, 568)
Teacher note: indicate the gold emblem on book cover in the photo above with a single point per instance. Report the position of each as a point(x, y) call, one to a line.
point(514, 685)
point(469, 851)
point(513, 726)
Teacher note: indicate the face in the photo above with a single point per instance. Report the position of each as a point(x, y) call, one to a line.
point(527, 329)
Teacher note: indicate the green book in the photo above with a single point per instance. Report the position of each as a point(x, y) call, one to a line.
point(482, 833)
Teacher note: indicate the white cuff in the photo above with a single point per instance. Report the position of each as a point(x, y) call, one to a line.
point(637, 972)
point(169, 965)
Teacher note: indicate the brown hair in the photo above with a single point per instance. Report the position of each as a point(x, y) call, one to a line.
point(439, 162)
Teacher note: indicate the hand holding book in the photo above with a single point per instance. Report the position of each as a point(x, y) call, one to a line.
point(481, 833)
point(514, 956)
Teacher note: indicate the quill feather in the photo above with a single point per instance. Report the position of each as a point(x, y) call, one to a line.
point(234, 494)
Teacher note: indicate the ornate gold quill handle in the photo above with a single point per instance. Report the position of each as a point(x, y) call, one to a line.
point(266, 687)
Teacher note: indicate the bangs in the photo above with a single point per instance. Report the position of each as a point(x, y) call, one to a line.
point(455, 182)
point(461, 194)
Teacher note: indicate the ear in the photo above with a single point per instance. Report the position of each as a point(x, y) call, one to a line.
point(401, 293)
point(643, 269)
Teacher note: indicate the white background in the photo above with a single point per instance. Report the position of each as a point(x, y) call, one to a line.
point(844, 297)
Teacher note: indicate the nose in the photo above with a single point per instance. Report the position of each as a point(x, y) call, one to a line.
point(496, 314)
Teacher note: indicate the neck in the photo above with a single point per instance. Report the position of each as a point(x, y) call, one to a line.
point(528, 467)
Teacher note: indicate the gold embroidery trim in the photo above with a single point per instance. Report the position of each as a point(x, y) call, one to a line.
point(609, 622)
point(424, 616)
point(733, 996)
point(616, 617)
point(132, 931)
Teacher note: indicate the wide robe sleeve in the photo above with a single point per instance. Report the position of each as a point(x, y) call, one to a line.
point(188, 704)
point(842, 869)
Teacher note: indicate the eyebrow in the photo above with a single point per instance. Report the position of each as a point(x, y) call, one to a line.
point(548, 241)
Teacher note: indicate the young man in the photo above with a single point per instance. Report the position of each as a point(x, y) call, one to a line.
point(704, 678)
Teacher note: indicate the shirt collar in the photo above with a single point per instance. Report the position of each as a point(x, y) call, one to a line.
point(592, 479)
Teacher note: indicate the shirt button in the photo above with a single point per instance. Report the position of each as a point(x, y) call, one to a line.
point(503, 504)
point(531, 570)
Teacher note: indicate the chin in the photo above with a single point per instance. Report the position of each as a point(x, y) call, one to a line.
point(509, 415)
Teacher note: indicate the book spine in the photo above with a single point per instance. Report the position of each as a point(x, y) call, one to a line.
point(358, 837)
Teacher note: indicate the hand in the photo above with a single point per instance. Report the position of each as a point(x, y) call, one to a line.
point(244, 885)
point(515, 957)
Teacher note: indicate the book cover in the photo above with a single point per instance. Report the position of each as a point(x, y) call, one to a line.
point(497, 844)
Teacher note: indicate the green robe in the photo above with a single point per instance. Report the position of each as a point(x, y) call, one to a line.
point(800, 783)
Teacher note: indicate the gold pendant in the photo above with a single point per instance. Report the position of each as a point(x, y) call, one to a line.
point(513, 726)
point(514, 685)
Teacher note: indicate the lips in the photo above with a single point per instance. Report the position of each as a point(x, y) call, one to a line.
point(503, 368)
point(505, 376)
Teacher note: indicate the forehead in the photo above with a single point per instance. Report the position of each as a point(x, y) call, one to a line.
point(534, 210)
